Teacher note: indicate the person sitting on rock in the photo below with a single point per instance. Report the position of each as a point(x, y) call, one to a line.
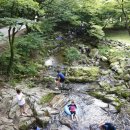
point(72, 108)
point(21, 101)
point(60, 79)
point(107, 126)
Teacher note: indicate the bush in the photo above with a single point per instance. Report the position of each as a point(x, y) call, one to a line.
point(29, 44)
point(28, 51)
point(96, 31)
point(72, 54)
point(29, 69)
point(104, 50)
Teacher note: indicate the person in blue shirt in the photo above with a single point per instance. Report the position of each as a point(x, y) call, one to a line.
point(60, 79)
point(107, 126)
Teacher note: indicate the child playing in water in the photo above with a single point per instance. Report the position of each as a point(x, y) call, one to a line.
point(72, 108)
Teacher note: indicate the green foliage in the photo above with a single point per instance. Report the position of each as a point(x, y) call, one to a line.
point(19, 8)
point(29, 68)
point(28, 50)
point(96, 31)
point(4, 58)
point(47, 98)
point(29, 44)
point(31, 84)
point(45, 27)
point(72, 54)
point(14, 82)
point(104, 50)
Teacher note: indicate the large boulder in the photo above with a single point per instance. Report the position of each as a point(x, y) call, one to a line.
point(83, 74)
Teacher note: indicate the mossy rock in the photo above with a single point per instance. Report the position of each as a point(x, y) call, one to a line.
point(42, 121)
point(115, 55)
point(120, 91)
point(47, 98)
point(98, 95)
point(94, 52)
point(125, 94)
point(118, 104)
point(127, 77)
point(106, 86)
point(23, 127)
point(48, 79)
point(83, 74)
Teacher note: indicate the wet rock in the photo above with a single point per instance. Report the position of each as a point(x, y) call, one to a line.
point(63, 127)
point(58, 101)
point(65, 121)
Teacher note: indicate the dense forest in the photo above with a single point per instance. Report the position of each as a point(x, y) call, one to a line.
point(75, 37)
point(46, 19)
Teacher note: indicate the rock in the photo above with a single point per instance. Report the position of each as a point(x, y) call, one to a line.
point(83, 74)
point(25, 122)
point(105, 72)
point(63, 127)
point(58, 101)
point(127, 77)
point(129, 83)
point(6, 127)
point(6, 120)
point(128, 62)
point(111, 97)
point(106, 86)
point(94, 53)
point(43, 121)
point(65, 121)
point(116, 68)
point(103, 58)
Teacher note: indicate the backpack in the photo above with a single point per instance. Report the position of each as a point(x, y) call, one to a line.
point(72, 108)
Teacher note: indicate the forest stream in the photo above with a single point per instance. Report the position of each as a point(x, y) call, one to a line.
point(97, 98)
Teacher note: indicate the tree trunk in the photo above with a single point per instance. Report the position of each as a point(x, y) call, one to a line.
point(11, 43)
point(126, 17)
point(28, 29)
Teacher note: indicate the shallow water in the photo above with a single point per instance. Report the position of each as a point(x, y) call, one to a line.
point(118, 35)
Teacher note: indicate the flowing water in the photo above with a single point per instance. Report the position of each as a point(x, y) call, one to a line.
point(90, 110)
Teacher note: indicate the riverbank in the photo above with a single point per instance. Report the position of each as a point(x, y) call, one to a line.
point(118, 35)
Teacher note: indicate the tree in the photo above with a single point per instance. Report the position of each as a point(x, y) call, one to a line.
point(14, 27)
point(19, 8)
point(124, 5)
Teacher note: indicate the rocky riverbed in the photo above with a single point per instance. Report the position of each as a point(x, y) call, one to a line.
point(51, 116)
point(99, 84)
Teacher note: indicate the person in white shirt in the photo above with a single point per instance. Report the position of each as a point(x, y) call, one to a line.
point(21, 101)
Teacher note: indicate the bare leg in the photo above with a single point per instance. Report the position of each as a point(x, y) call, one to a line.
point(76, 118)
point(21, 110)
point(72, 116)
point(57, 83)
point(24, 110)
